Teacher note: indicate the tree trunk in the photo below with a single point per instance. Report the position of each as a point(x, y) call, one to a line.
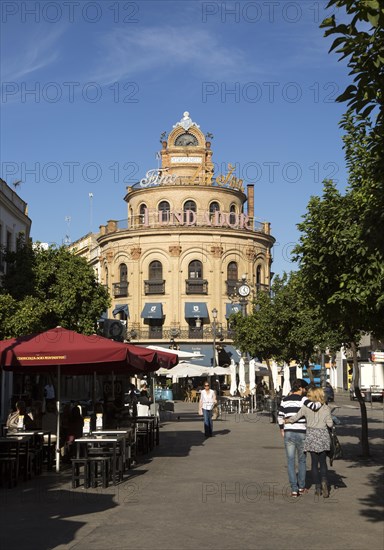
point(272, 394)
point(310, 374)
point(363, 408)
point(272, 390)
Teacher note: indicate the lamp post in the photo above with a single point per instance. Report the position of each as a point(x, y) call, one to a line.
point(214, 316)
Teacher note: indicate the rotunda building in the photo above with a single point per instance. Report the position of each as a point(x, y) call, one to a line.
point(189, 253)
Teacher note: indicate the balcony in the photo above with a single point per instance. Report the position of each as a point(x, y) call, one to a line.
point(154, 286)
point(120, 290)
point(196, 286)
point(232, 286)
point(168, 333)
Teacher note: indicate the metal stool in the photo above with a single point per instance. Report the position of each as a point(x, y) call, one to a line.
point(99, 470)
point(80, 471)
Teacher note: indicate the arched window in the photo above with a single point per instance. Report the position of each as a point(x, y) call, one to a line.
point(232, 214)
point(155, 283)
point(189, 205)
point(232, 278)
point(155, 271)
point(120, 288)
point(213, 207)
point(123, 272)
point(143, 211)
point(258, 277)
point(163, 209)
point(195, 270)
point(232, 271)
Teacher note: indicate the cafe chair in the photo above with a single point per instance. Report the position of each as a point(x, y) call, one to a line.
point(80, 472)
point(99, 470)
point(142, 410)
point(9, 463)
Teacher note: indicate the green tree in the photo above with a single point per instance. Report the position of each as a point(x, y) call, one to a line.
point(47, 288)
point(283, 326)
point(343, 275)
point(361, 41)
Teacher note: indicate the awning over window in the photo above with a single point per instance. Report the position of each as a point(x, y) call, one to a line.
point(103, 317)
point(193, 310)
point(232, 308)
point(121, 308)
point(152, 311)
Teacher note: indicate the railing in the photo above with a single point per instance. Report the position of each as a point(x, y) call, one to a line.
point(120, 290)
point(196, 286)
point(168, 334)
point(138, 222)
point(154, 287)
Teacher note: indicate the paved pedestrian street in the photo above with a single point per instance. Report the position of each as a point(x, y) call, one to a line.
point(226, 492)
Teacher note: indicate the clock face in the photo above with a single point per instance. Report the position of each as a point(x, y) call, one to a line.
point(186, 140)
point(244, 290)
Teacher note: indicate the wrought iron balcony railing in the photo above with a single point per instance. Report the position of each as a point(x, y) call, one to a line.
point(120, 290)
point(196, 286)
point(154, 286)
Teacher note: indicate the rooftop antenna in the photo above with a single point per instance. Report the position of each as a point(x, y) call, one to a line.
point(90, 195)
point(67, 239)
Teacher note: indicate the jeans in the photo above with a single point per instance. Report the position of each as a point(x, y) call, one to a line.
point(294, 443)
point(208, 422)
point(319, 467)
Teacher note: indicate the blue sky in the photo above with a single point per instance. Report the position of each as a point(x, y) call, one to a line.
point(88, 87)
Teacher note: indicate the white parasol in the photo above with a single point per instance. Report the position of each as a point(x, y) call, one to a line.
point(242, 384)
point(287, 383)
point(232, 370)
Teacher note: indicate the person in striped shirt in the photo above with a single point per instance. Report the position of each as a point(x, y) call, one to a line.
point(294, 434)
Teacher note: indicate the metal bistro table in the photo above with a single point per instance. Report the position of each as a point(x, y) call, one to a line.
point(118, 447)
point(151, 431)
point(129, 441)
point(233, 400)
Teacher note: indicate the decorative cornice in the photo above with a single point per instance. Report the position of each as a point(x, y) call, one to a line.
point(217, 251)
point(175, 250)
point(135, 252)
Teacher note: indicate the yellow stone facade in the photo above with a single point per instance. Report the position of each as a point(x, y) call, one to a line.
point(189, 237)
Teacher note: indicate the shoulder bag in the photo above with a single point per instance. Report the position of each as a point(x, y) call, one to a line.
point(336, 451)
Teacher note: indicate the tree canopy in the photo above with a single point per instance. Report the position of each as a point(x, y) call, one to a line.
point(43, 289)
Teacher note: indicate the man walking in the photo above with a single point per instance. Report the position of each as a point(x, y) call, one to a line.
point(294, 434)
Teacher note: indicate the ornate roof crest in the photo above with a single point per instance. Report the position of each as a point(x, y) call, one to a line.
point(186, 122)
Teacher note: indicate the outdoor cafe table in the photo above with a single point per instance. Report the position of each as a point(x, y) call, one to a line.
point(129, 434)
point(152, 427)
point(22, 442)
point(234, 399)
point(46, 441)
point(116, 440)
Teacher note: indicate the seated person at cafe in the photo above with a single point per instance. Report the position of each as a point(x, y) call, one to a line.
point(13, 419)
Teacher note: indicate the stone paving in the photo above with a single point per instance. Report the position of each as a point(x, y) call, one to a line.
point(226, 492)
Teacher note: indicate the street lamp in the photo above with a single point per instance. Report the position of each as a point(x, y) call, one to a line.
point(214, 316)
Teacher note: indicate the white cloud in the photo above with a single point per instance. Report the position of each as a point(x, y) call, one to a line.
point(30, 55)
point(127, 53)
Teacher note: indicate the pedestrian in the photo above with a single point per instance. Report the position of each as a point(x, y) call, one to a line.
point(294, 434)
point(207, 402)
point(317, 440)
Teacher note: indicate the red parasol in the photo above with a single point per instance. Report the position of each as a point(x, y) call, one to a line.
point(71, 353)
point(78, 354)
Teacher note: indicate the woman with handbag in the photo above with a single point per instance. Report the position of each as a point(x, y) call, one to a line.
point(317, 440)
point(207, 402)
